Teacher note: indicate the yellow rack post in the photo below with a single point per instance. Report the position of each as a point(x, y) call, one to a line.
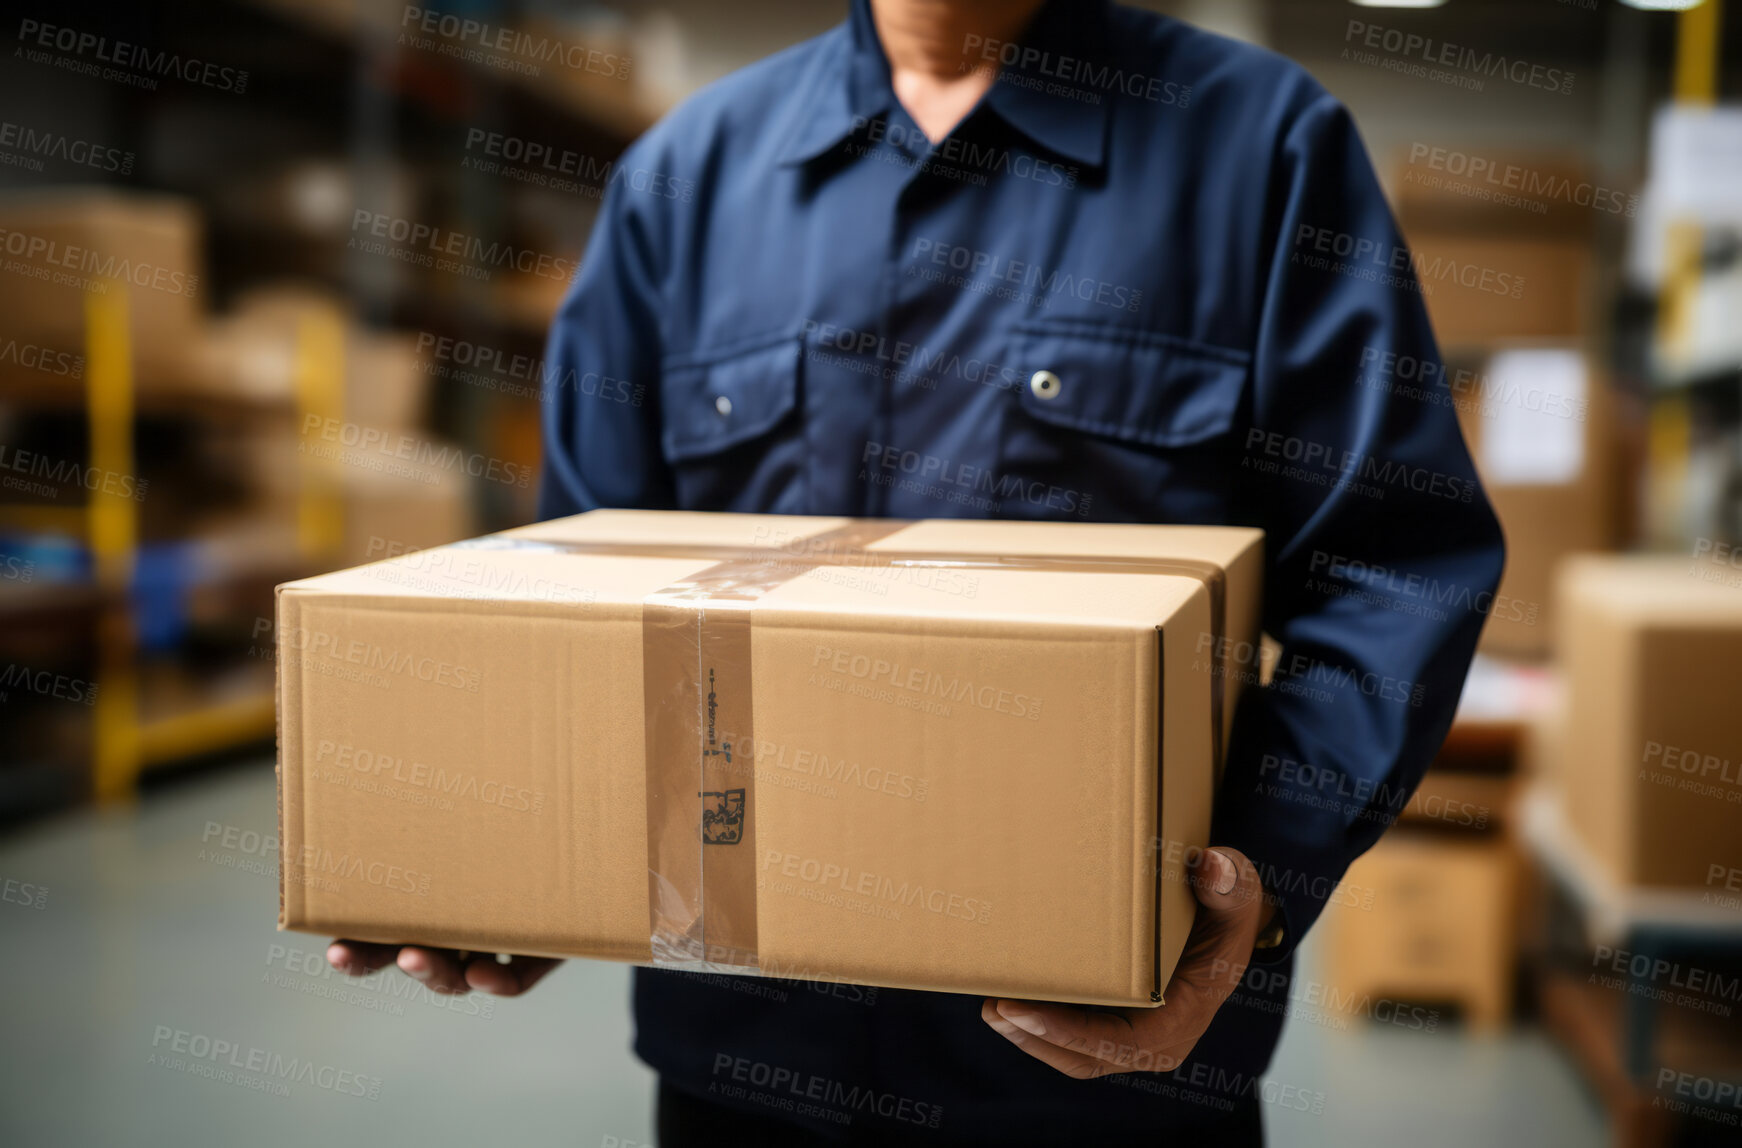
point(320, 399)
point(113, 532)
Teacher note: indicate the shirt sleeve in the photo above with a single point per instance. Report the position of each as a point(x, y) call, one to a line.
point(601, 371)
point(1382, 552)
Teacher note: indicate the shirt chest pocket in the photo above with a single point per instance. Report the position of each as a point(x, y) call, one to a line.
point(729, 426)
point(1135, 423)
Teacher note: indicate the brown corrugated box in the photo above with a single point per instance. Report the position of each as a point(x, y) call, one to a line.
point(1501, 241)
point(1479, 288)
point(1537, 194)
point(1502, 246)
point(412, 505)
point(387, 515)
point(978, 777)
point(1425, 917)
point(1648, 763)
point(1544, 522)
point(60, 247)
point(259, 351)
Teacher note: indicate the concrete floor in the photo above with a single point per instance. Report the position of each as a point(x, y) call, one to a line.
point(154, 940)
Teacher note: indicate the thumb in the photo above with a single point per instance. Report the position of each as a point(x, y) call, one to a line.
point(1225, 881)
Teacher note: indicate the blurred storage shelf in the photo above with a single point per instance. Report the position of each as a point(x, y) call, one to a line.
point(603, 101)
point(207, 729)
point(183, 717)
point(112, 590)
point(1611, 911)
point(25, 604)
point(1586, 1022)
point(183, 397)
point(1615, 988)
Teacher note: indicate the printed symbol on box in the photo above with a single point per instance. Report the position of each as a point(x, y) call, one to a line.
point(722, 817)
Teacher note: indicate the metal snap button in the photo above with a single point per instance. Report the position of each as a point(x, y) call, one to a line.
point(1045, 385)
point(723, 405)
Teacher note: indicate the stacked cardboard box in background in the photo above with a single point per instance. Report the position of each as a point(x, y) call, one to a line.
point(1645, 761)
point(1501, 247)
point(1426, 920)
point(60, 247)
point(189, 464)
point(363, 448)
point(1541, 426)
point(1502, 244)
point(255, 359)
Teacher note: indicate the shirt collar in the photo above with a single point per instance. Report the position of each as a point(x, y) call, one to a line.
point(849, 84)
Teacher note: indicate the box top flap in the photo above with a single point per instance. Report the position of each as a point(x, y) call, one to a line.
point(1657, 589)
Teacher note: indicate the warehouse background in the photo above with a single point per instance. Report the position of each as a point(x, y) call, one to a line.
point(264, 374)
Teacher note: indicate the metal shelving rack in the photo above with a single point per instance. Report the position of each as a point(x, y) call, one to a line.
point(125, 741)
point(1678, 392)
point(395, 103)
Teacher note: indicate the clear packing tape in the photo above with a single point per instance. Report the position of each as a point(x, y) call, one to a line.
point(700, 716)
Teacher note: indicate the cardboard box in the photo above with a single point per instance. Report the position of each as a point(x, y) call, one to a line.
point(1480, 288)
point(1502, 241)
point(1649, 763)
point(1540, 423)
point(956, 755)
point(388, 515)
point(1423, 918)
point(400, 490)
point(1499, 193)
point(387, 384)
point(260, 351)
point(59, 248)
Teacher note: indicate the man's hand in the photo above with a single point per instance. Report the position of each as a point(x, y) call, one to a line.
point(1087, 1044)
point(443, 970)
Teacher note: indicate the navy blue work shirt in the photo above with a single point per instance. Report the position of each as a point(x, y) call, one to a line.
point(1149, 278)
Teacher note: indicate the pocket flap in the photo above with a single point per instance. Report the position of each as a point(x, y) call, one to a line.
point(722, 400)
point(1135, 386)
